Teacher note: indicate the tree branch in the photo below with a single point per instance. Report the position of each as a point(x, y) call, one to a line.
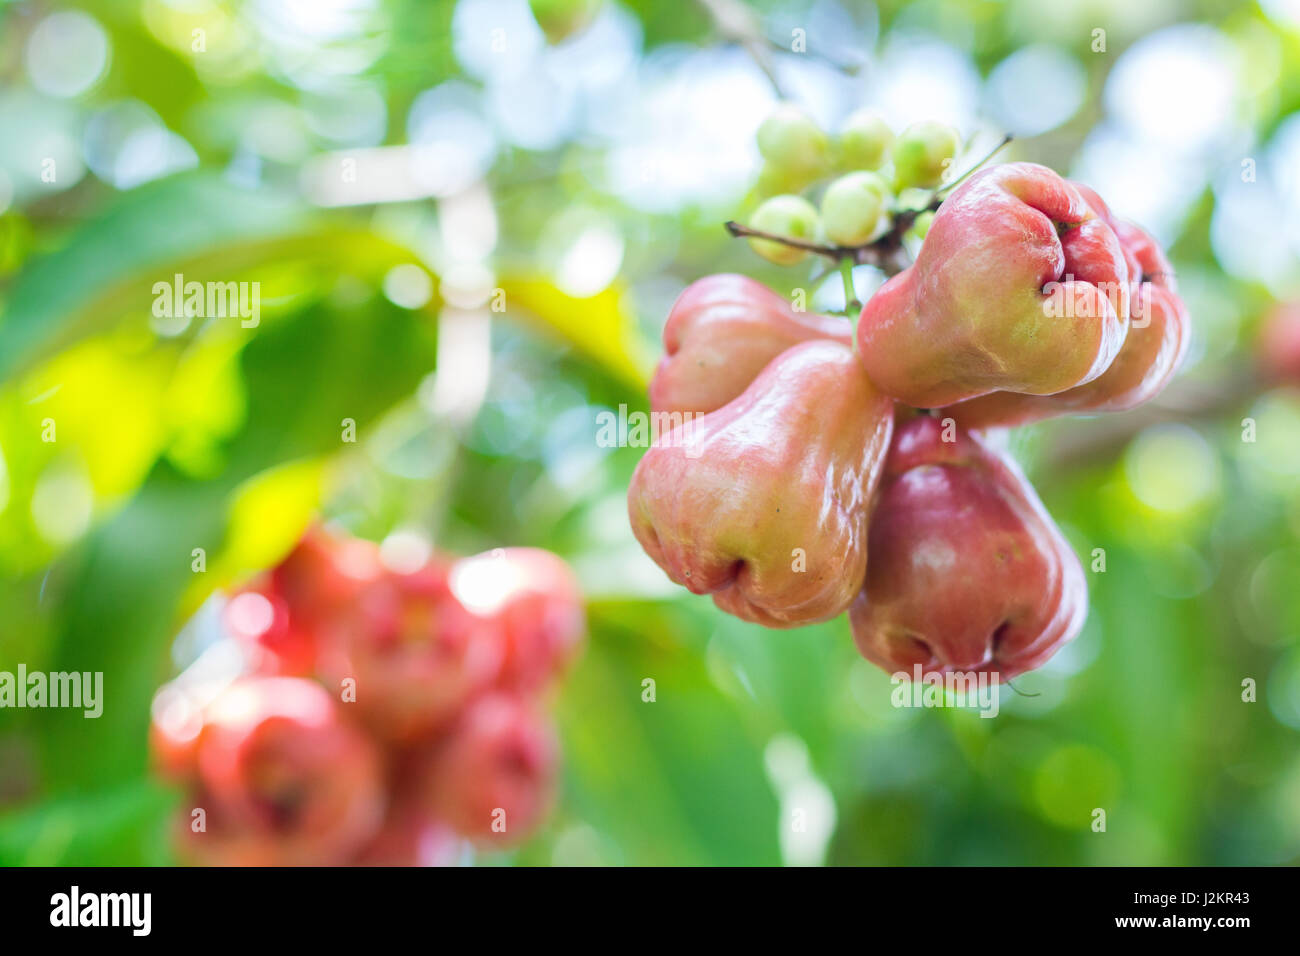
point(886, 252)
point(946, 187)
point(737, 23)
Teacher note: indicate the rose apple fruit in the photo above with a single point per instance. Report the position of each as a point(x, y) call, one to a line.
point(764, 503)
point(968, 572)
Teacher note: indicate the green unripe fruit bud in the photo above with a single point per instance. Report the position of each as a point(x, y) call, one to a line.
point(864, 141)
point(793, 144)
point(560, 19)
point(774, 180)
point(923, 152)
point(790, 216)
point(921, 224)
point(852, 207)
point(913, 198)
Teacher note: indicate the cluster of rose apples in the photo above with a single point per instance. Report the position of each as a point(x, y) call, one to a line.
point(387, 710)
point(820, 468)
point(882, 175)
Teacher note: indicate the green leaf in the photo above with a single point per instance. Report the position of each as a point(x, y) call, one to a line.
point(675, 781)
point(601, 326)
point(124, 826)
point(115, 599)
point(197, 225)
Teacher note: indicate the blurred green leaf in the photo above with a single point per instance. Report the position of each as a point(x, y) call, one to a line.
point(675, 781)
point(196, 225)
point(125, 826)
point(114, 599)
point(601, 327)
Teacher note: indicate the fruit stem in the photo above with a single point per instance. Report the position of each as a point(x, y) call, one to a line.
point(1007, 138)
point(740, 230)
point(881, 253)
point(737, 23)
point(851, 304)
point(885, 252)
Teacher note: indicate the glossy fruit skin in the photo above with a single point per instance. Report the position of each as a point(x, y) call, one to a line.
point(922, 153)
point(791, 217)
point(968, 572)
point(1278, 347)
point(864, 141)
point(502, 755)
point(723, 503)
point(722, 331)
point(990, 304)
point(1154, 349)
point(532, 600)
point(283, 780)
point(852, 207)
point(1102, 210)
point(416, 653)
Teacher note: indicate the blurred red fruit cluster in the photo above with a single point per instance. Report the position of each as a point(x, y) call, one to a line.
point(387, 708)
point(1279, 345)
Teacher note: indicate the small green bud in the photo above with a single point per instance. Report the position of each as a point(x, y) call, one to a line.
point(923, 153)
point(790, 216)
point(864, 141)
point(921, 224)
point(852, 207)
point(793, 144)
point(913, 198)
point(774, 180)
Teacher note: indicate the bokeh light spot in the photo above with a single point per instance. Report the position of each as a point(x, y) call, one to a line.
point(67, 53)
point(1172, 469)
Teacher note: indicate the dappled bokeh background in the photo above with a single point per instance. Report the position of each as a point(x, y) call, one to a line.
point(582, 185)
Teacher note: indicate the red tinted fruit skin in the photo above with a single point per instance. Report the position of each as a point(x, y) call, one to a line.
point(1152, 353)
point(173, 751)
point(311, 586)
point(1019, 286)
point(532, 599)
point(722, 331)
point(1279, 346)
point(410, 837)
point(968, 572)
point(732, 503)
point(308, 579)
point(283, 780)
point(287, 648)
point(415, 652)
point(497, 765)
point(323, 574)
point(1102, 210)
